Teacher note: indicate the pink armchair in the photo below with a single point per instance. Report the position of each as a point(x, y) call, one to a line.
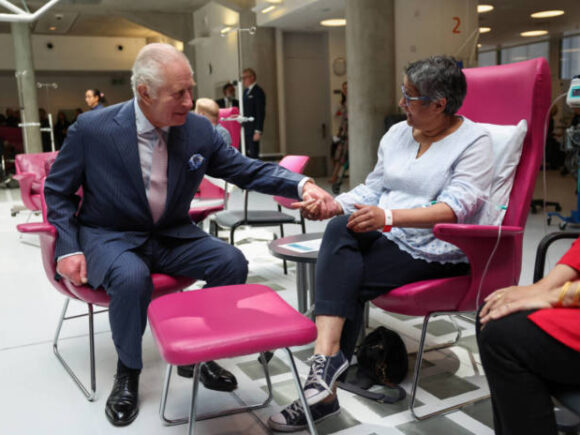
point(162, 284)
point(31, 169)
point(502, 94)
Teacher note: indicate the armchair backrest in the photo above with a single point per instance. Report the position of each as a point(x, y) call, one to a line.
point(233, 127)
point(35, 163)
point(506, 94)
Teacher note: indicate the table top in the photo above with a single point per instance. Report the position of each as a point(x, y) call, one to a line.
point(279, 251)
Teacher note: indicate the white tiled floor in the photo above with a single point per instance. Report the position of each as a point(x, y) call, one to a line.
point(36, 395)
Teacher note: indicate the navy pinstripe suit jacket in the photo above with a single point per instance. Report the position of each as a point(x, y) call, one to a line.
point(100, 154)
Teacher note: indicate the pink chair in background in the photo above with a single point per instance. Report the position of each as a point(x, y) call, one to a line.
point(207, 191)
point(31, 169)
point(233, 219)
point(162, 284)
point(233, 127)
point(502, 94)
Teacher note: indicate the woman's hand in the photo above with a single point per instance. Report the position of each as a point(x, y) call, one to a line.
point(508, 300)
point(366, 218)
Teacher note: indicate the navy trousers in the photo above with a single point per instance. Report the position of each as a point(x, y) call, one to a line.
point(252, 147)
point(353, 268)
point(129, 285)
point(523, 366)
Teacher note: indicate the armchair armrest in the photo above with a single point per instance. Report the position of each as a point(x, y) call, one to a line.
point(25, 180)
point(478, 242)
point(37, 228)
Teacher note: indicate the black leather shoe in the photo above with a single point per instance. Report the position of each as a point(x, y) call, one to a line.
point(212, 376)
point(123, 404)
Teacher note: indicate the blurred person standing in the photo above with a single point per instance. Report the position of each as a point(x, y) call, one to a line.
point(254, 106)
point(229, 99)
point(94, 99)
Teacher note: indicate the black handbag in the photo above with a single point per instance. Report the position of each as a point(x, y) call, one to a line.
point(382, 359)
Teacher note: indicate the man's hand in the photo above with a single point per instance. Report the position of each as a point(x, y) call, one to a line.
point(73, 268)
point(366, 218)
point(317, 203)
point(257, 136)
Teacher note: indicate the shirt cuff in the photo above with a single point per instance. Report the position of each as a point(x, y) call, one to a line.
point(301, 185)
point(68, 255)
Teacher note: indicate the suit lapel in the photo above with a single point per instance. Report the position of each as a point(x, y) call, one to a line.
point(124, 135)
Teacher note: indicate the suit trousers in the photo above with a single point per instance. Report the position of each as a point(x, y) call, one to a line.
point(252, 147)
point(524, 365)
point(353, 268)
point(128, 282)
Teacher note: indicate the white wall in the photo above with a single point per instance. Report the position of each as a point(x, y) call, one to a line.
point(75, 53)
point(216, 57)
point(427, 28)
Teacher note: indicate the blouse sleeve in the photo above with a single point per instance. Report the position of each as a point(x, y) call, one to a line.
point(368, 193)
point(470, 180)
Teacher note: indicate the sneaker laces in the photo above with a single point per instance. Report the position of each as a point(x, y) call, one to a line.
point(318, 363)
point(294, 411)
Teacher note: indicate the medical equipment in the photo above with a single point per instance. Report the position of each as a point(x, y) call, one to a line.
point(572, 149)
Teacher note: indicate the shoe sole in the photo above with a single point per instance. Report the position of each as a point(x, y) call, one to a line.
point(285, 428)
point(321, 395)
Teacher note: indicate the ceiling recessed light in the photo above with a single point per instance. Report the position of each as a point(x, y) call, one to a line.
point(481, 9)
point(532, 33)
point(333, 22)
point(268, 9)
point(547, 14)
point(277, 2)
point(484, 29)
point(478, 45)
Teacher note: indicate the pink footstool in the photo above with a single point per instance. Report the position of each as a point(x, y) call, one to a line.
point(225, 322)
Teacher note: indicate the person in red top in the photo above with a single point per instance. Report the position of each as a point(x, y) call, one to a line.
point(529, 342)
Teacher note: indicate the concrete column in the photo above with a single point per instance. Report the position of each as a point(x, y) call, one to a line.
point(370, 50)
point(26, 81)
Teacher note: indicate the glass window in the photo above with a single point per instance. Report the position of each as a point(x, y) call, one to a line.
point(570, 60)
point(525, 52)
point(487, 58)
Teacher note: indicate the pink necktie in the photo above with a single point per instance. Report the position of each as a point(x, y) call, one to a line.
point(158, 180)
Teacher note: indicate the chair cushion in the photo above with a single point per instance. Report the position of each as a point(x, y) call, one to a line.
point(507, 143)
point(224, 322)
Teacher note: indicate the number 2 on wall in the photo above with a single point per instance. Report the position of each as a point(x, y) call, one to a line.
point(457, 24)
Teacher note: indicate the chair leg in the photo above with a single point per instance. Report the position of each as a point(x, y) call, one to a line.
point(194, 418)
point(89, 395)
point(307, 412)
point(417, 370)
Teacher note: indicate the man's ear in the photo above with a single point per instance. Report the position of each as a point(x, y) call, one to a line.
point(144, 94)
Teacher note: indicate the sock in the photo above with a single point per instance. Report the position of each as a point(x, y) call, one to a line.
point(122, 368)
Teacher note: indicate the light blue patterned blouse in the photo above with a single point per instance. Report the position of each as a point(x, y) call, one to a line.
point(456, 170)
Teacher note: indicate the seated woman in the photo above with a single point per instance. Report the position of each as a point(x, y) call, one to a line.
point(529, 342)
point(435, 167)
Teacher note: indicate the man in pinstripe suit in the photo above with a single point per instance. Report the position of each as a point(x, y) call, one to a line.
point(113, 240)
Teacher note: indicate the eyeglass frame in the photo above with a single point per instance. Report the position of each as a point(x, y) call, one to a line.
point(409, 98)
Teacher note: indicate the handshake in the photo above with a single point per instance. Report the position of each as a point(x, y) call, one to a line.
point(317, 203)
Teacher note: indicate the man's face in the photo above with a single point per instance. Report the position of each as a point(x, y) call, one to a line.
point(247, 79)
point(174, 97)
point(230, 92)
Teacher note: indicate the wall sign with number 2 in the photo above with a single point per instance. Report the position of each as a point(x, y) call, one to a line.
point(457, 24)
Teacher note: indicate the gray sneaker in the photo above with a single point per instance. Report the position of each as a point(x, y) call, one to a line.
point(292, 418)
point(324, 371)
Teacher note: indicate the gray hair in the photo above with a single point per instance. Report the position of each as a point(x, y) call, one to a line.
point(149, 66)
point(439, 77)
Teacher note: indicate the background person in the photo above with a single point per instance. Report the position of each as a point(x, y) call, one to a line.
point(229, 99)
point(255, 106)
point(529, 342)
point(60, 128)
point(434, 168)
point(94, 99)
point(210, 109)
point(140, 164)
